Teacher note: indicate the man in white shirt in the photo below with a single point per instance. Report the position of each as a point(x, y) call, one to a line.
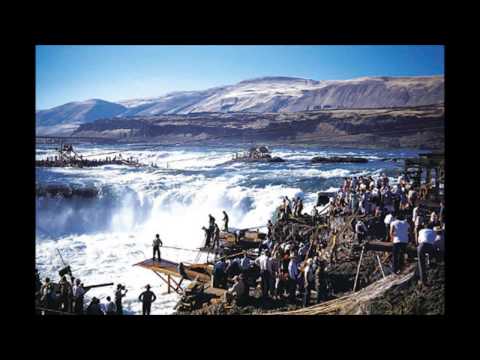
point(426, 238)
point(399, 231)
point(387, 221)
point(78, 293)
point(265, 264)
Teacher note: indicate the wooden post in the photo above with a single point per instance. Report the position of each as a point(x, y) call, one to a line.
point(380, 264)
point(168, 278)
point(358, 269)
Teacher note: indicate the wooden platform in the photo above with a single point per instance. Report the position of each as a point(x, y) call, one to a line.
point(170, 268)
point(199, 272)
point(384, 246)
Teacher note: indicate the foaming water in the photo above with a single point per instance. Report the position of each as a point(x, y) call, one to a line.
point(102, 237)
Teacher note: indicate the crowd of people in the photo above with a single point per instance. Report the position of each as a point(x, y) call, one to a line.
point(212, 232)
point(395, 213)
point(290, 264)
point(68, 297)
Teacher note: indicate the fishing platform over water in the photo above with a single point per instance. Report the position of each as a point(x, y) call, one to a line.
point(255, 154)
point(68, 157)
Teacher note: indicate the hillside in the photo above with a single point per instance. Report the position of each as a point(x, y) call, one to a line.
point(400, 127)
point(262, 95)
point(79, 112)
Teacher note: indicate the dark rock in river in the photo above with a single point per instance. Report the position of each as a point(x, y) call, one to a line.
point(66, 191)
point(337, 159)
point(276, 159)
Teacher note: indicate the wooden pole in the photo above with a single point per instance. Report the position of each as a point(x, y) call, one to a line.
point(168, 277)
point(380, 264)
point(358, 269)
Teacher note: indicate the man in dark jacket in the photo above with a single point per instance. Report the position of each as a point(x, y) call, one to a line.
point(94, 307)
point(147, 298)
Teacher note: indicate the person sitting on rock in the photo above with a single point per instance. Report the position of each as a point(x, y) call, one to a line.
point(237, 291)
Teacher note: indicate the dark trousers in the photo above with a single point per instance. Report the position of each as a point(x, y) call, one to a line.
point(306, 295)
point(292, 287)
point(422, 250)
point(265, 275)
point(398, 256)
point(78, 308)
point(387, 232)
point(156, 250)
point(146, 308)
point(321, 290)
point(216, 242)
point(119, 307)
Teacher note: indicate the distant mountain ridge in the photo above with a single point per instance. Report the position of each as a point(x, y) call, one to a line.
point(274, 94)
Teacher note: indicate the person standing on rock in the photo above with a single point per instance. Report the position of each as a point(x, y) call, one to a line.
point(225, 221)
point(147, 298)
point(399, 230)
point(216, 236)
point(156, 247)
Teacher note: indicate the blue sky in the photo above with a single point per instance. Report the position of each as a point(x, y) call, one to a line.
point(75, 73)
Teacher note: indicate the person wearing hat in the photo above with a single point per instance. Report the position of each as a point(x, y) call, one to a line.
point(156, 247)
point(147, 298)
point(309, 273)
point(119, 294)
point(237, 291)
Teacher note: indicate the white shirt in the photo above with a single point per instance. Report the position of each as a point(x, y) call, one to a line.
point(426, 236)
point(264, 262)
point(400, 231)
point(78, 291)
point(388, 219)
